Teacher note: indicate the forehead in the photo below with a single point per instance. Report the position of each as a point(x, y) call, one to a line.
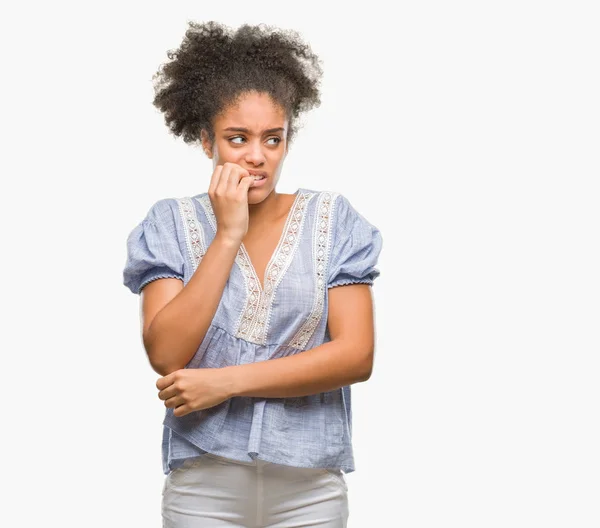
point(253, 110)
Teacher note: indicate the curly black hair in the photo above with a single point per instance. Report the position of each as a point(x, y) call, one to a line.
point(215, 65)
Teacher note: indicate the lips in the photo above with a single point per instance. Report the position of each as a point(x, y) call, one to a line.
point(257, 173)
point(260, 178)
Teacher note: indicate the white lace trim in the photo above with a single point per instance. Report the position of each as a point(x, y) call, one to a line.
point(321, 250)
point(278, 265)
point(243, 262)
point(253, 323)
point(194, 236)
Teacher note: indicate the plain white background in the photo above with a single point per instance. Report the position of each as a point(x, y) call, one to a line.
point(466, 131)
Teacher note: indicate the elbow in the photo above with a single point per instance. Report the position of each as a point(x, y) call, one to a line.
point(158, 359)
point(163, 369)
point(364, 367)
point(361, 357)
point(366, 370)
point(367, 374)
point(160, 365)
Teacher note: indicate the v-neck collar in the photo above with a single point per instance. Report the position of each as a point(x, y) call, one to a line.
point(284, 233)
point(276, 262)
point(258, 302)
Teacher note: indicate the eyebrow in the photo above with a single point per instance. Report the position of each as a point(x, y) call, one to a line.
point(245, 130)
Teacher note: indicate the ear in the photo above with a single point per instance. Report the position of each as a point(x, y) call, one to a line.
point(206, 144)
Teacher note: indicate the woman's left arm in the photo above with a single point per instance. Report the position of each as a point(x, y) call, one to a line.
point(346, 359)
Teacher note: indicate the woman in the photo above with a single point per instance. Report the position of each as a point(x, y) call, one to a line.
point(256, 305)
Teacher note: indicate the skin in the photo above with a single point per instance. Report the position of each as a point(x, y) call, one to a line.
point(262, 146)
point(347, 358)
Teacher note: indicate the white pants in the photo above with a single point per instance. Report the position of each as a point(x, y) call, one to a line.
point(218, 492)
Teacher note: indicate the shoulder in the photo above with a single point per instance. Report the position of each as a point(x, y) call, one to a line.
point(332, 204)
point(320, 192)
point(348, 221)
point(201, 199)
point(325, 197)
point(200, 196)
point(340, 206)
point(163, 211)
point(175, 210)
point(335, 198)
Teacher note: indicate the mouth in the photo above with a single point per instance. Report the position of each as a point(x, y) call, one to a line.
point(258, 175)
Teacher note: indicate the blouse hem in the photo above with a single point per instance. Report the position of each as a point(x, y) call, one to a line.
point(242, 456)
point(265, 458)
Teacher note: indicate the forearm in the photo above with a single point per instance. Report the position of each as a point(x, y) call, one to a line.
point(178, 329)
point(321, 369)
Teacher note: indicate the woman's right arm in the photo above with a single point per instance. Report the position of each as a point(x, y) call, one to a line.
point(175, 318)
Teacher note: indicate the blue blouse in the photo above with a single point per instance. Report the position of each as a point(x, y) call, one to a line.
point(325, 243)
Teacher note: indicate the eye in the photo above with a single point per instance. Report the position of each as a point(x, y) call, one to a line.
point(236, 137)
point(278, 140)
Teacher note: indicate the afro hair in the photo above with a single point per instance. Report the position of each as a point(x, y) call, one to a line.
point(215, 65)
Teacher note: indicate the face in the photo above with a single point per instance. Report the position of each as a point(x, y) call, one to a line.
point(251, 133)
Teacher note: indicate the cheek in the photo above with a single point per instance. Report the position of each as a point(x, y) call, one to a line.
point(225, 153)
point(276, 157)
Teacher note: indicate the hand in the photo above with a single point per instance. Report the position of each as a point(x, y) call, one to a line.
point(228, 192)
point(187, 390)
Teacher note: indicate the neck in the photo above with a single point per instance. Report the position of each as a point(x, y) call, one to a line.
point(267, 210)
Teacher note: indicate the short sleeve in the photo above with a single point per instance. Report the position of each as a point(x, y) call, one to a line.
point(356, 245)
point(153, 250)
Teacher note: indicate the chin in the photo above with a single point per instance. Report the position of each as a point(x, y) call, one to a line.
point(257, 195)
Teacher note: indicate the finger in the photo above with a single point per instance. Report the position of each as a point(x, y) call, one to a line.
point(182, 410)
point(214, 181)
point(224, 179)
point(165, 381)
point(167, 393)
point(238, 174)
point(245, 183)
point(176, 401)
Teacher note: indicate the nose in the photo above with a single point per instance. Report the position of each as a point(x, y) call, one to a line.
point(254, 154)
